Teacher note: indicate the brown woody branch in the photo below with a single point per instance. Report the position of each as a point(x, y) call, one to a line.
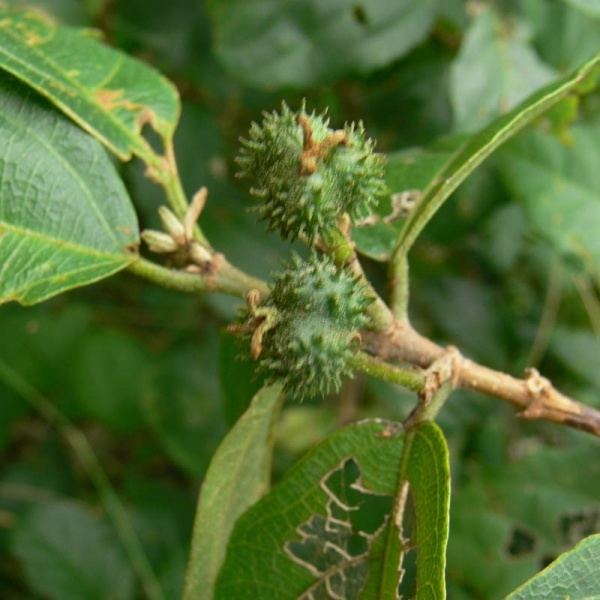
point(534, 395)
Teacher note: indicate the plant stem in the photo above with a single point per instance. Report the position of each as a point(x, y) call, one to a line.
point(341, 248)
point(534, 395)
point(226, 279)
point(92, 466)
point(170, 180)
point(399, 287)
point(408, 378)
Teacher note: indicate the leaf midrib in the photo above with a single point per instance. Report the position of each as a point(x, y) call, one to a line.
point(63, 244)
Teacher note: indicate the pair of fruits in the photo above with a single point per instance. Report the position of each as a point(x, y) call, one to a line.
point(307, 176)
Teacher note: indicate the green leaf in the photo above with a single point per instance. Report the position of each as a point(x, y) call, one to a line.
point(428, 471)
point(305, 42)
point(560, 189)
point(65, 217)
point(475, 149)
point(106, 92)
point(493, 72)
point(67, 554)
point(426, 468)
point(330, 526)
point(574, 575)
point(239, 474)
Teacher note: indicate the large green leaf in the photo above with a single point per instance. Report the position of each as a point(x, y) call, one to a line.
point(106, 92)
point(493, 72)
point(462, 160)
point(334, 526)
point(560, 188)
point(574, 575)
point(68, 554)
point(304, 42)
point(239, 474)
point(65, 217)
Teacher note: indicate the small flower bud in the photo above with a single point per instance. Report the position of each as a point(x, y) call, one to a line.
point(173, 226)
point(199, 254)
point(159, 242)
point(194, 211)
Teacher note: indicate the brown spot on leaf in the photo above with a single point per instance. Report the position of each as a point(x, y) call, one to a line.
point(33, 39)
point(113, 99)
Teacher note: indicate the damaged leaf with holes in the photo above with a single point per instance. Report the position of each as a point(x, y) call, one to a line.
point(334, 526)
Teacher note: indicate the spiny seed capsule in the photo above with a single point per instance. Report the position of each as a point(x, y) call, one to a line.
point(306, 175)
point(320, 309)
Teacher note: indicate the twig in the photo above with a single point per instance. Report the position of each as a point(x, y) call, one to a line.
point(219, 276)
point(341, 248)
point(408, 378)
point(399, 290)
point(534, 395)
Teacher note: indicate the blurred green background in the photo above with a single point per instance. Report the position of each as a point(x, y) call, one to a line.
point(154, 383)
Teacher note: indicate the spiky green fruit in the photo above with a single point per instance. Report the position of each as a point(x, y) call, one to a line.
point(320, 309)
point(304, 185)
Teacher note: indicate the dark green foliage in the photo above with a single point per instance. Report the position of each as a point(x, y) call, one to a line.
point(507, 271)
point(319, 309)
point(305, 178)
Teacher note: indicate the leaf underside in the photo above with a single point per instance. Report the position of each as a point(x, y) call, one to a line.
point(239, 474)
point(574, 575)
point(65, 217)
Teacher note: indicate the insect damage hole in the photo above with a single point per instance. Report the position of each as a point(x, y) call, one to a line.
point(335, 547)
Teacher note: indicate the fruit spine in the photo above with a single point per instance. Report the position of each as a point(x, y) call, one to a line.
point(307, 175)
point(315, 311)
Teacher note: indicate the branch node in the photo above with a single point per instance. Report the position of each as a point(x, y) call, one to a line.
point(539, 390)
point(445, 369)
point(441, 378)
